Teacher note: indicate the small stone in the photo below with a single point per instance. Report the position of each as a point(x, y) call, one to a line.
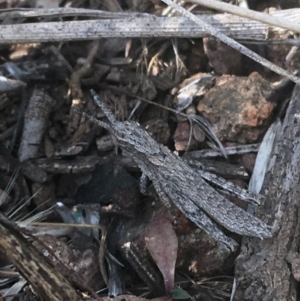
point(238, 107)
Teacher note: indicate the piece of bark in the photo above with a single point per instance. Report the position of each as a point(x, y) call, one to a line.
point(82, 263)
point(78, 165)
point(47, 282)
point(262, 268)
point(36, 119)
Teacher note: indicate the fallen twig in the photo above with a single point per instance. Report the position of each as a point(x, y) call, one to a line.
point(142, 27)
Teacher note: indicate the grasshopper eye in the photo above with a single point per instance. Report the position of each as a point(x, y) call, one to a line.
point(122, 135)
point(162, 154)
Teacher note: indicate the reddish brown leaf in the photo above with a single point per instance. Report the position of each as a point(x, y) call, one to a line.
point(162, 244)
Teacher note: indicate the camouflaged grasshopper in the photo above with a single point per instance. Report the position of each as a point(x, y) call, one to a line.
point(174, 180)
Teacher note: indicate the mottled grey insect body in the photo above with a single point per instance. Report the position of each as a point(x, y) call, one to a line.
point(175, 180)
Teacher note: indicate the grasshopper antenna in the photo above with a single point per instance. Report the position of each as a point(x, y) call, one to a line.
point(110, 116)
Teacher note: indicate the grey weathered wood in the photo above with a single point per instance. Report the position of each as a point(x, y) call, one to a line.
point(21, 13)
point(262, 268)
point(130, 26)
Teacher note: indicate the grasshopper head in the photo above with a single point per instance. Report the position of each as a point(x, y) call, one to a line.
point(130, 134)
